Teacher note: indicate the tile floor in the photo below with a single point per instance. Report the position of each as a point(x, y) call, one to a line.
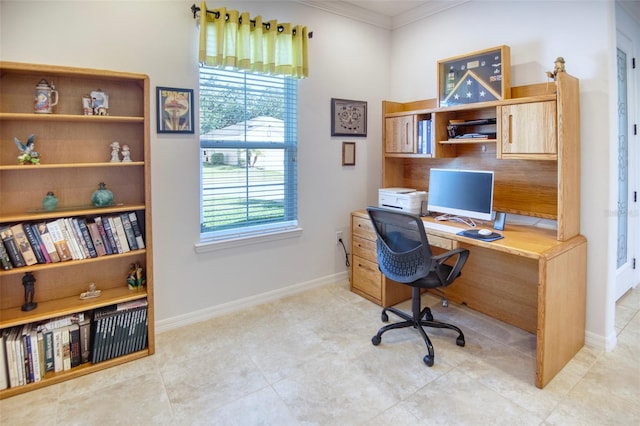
point(308, 360)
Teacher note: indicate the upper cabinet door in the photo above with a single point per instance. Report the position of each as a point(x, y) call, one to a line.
point(400, 134)
point(528, 131)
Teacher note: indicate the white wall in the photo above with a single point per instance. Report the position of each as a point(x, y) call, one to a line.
point(537, 32)
point(159, 38)
point(348, 60)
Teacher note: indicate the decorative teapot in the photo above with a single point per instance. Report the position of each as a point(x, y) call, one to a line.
point(46, 97)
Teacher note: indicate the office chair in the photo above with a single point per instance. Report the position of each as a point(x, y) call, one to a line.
point(404, 255)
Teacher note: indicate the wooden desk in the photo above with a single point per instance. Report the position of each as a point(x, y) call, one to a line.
point(528, 279)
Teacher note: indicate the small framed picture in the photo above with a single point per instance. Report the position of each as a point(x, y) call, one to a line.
point(348, 118)
point(348, 153)
point(175, 110)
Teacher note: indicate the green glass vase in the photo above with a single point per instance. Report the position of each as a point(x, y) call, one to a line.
point(102, 197)
point(50, 202)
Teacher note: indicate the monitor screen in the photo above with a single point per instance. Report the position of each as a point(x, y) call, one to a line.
point(465, 193)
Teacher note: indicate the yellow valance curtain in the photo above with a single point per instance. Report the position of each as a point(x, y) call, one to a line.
point(232, 39)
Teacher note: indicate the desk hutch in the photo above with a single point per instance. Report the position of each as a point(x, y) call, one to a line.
point(534, 278)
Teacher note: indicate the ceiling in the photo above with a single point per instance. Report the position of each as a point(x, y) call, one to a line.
point(390, 14)
point(384, 13)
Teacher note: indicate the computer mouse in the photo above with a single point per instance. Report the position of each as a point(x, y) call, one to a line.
point(484, 232)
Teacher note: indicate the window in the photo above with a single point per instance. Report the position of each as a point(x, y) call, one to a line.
point(248, 143)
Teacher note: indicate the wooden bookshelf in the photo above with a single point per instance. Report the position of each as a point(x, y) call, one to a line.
point(74, 158)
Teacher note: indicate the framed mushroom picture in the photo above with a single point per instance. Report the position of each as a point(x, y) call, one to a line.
point(175, 110)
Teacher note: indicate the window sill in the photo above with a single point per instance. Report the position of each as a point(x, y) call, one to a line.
point(206, 246)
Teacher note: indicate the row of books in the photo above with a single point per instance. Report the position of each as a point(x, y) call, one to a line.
point(119, 330)
point(72, 238)
point(424, 137)
point(29, 351)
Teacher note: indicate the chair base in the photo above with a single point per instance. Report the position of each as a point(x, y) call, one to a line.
point(418, 319)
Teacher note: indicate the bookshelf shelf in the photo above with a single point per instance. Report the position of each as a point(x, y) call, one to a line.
point(70, 166)
point(74, 151)
point(66, 306)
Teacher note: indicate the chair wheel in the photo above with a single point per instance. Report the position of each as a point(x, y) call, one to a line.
point(460, 341)
point(428, 360)
point(376, 340)
point(384, 317)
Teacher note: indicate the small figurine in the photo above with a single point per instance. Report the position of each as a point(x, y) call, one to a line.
point(115, 149)
point(28, 156)
point(91, 293)
point(558, 67)
point(126, 154)
point(136, 279)
point(29, 281)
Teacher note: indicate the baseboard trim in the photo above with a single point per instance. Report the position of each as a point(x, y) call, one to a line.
point(247, 302)
point(600, 342)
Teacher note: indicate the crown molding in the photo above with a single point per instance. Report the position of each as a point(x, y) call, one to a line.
point(349, 10)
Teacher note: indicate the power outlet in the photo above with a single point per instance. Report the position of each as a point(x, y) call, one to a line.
point(338, 237)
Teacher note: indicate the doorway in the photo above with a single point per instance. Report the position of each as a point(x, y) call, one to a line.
point(628, 215)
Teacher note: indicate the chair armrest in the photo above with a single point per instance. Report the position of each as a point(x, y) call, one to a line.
point(462, 254)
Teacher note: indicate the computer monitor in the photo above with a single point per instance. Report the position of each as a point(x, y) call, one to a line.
point(463, 193)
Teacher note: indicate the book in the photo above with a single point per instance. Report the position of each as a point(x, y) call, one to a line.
point(23, 244)
point(105, 240)
point(39, 242)
point(48, 350)
point(5, 260)
point(21, 360)
point(88, 240)
point(4, 376)
point(74, 343)
point(59, 242)
point(48, 242)
point(80, 239)
point(35, 355)
point(10, 349)
point(57, 349)
point(108, 231)
point(63, 321)
point(119, 232)
point(66, 348)
point(12, 247)
point(85, 341)
point(69, 236)
point(33, 242)
point(98, 244)
point(128, 231)
point(137, 229)
point(40, 338)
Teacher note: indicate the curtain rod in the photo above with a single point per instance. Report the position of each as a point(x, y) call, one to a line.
point(195, 9)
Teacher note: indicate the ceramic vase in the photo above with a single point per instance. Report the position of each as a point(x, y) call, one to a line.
point(102, 197)
point(50, 201)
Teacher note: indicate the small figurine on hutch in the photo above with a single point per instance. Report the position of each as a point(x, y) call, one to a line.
point(43, 102)
point(558, 67)
point(126, 154)
point(29, 281)
point(136, 279)
point(115, 149)
point(100, 102)
point(91, 293)
point(28, 155)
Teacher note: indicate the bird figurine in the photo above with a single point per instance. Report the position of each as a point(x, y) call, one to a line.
point(28, 155)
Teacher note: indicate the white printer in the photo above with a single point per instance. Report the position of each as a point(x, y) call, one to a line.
point(405, 199)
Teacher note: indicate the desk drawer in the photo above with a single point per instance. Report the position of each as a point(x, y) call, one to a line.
point(362, 227)
point(365, 248)
point(367, 278)
point(443, 243)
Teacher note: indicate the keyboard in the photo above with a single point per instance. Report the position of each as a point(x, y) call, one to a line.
point(441, 227)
